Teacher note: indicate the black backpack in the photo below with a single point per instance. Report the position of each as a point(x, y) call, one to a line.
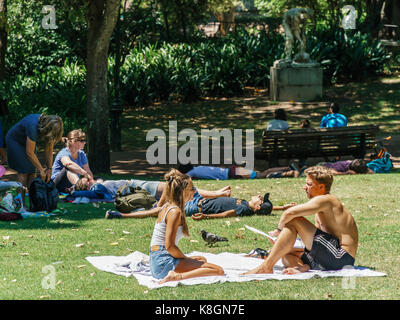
point(43, 196)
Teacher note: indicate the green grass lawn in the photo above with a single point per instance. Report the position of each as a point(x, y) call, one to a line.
point(63, 242)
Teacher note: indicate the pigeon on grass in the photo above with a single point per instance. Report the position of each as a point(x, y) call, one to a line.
point(211, 238)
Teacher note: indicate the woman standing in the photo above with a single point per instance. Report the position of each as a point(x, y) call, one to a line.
point(71, 162)
point(21, 142)
point(167, 262)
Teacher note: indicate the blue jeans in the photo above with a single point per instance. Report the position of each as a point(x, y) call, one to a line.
point(192, 206)
point(161, 262)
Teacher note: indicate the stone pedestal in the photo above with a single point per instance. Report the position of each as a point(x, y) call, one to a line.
point(300, 82)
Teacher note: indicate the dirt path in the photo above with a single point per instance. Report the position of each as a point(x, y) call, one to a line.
point(134, 163)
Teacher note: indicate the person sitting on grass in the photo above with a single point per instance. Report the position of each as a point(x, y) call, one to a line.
point(167, 261)
point(71, 162)
point(305, 124)
point(356, 166)
point(279, 123)
point(333, 119)
point(330, 244)
point(235, 172)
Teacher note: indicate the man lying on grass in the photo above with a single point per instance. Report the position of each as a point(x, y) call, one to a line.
point(211, 207)
point(155, 188)
point(223, 207)
point(330, 244)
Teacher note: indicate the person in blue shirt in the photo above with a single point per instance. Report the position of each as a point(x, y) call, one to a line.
point(21, 142)
point(333, 118)
point(71, 162)
point(234, 172)
point(279, 123)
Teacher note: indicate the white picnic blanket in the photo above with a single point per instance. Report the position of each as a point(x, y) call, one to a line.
point(137, 264)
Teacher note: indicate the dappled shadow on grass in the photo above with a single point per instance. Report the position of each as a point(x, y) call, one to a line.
point(37, 223)
point(75, 216)
point(376, 102)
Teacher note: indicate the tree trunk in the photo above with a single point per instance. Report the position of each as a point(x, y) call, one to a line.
point(373, 19)
point(3, 38)
point(165, 18)
point(3, 49)
point(396, 19)
point(182, 18)
point(102, 17)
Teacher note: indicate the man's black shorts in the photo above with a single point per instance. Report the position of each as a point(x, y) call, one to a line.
point(326, 253)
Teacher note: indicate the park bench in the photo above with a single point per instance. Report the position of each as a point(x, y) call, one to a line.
point(317, 142)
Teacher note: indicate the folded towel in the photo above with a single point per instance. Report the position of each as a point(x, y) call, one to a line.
point(137, 264)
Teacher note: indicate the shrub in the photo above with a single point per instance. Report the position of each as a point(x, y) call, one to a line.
point(59, 90)
point(347, 55)
point(216, 66)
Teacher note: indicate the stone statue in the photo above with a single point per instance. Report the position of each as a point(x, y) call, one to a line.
point(349, 20)
point(298, 79)
point(294, 21)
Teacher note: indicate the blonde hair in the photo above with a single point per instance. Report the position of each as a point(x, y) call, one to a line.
point(76, 134)
point(175, 187)
point(80, 186)
point(322, 175)
point(50, 128)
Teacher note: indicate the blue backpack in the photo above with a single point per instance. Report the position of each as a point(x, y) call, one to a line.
point(381, 165)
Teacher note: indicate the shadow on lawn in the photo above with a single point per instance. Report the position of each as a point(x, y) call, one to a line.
point(375, 102)
point(73, 219)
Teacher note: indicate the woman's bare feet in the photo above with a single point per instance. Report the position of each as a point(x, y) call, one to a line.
point(199, 258)
point(171, 276)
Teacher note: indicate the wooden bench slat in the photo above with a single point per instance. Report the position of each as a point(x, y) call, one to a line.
point(314, 142)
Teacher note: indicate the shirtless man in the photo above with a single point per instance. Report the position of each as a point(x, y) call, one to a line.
point(330, 244)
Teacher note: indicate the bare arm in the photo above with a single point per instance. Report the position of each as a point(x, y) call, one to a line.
point(224, 192)
point(48, 152)
point(284, 207)
point(30, 153)
point(73, 167)
point(143, 214)
point(338, 173)
point(313, 206)
point(225, 214)
point(87, 169)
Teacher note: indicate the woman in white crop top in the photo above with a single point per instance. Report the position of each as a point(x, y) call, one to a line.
point(167, 262)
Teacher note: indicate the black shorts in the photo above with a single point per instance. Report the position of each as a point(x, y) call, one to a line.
point(326, 253)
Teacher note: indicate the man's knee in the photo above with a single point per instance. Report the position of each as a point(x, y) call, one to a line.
point(296, 222)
